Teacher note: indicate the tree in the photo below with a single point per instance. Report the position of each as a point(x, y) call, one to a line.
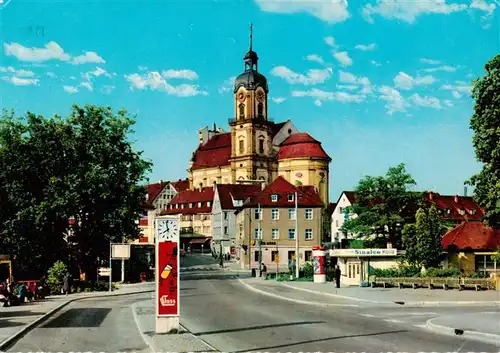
point(383, 206)
point(54, 169)
point(422, 240)
point(485, 123)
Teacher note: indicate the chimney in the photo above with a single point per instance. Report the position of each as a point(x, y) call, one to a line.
point(465, 191)
point(430, 196)
point(455, 199)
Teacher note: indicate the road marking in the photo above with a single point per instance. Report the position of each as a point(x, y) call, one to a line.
point(394, 321)
point(420, 326)
point(412, 314)
point(367, 315)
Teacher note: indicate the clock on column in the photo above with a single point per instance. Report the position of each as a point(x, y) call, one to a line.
point(167, 229)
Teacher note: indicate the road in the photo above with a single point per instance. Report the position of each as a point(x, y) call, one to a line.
point(91, 325)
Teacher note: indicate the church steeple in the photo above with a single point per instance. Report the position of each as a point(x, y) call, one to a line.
point(251, 59)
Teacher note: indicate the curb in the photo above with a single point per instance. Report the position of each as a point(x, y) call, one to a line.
point(488, 338)
point(420, 303)
point(19, 334)
point(297, 301)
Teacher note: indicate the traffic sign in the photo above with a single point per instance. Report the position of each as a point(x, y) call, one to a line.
point(104, 271)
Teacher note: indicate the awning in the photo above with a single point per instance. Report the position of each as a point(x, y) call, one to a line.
point(198, 241)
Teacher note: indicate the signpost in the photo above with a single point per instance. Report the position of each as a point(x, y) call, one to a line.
point(119, 252)
point(167, 273)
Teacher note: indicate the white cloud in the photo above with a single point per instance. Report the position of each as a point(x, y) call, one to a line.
point(278, 100)
point(155, 82)
point(51, 51)
point(426, 101)
point(17, 72)
point(227, 86)
point(488, 8)
point(99, 71)
point(343, 58)
point(317, 103)
point(312, 77)
point(51, 74)
point(330, 41)
point(87, 58)
point(351, 80)
point(87, 85)
point(445, 68)
point(458, 90)
point(375, 63)
point(107, 89)
point(430, 61)
point(448, 103)
point(70, 89)
point(326, 10)
point(180, 74)
point(19, 81)
point(456, 94)
point(315, 58)
point(394, 101)
point(407, 82)
point(408, 11)
point(348, 87)
point(321, 95)
point(142, 68)
point(369, 47)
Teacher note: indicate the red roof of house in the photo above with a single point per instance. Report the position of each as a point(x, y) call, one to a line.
point(302, 145)
point(228, 192)
point(214, 153)
point(155, 189)
point(187, 198)
point(457, 205)
point(180, 185)
point(308, 196)
point(472, 235)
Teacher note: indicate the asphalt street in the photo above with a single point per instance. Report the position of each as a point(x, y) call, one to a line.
point(232, 319)
point(90, 325)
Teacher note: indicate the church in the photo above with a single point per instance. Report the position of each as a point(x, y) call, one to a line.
point(256, 149)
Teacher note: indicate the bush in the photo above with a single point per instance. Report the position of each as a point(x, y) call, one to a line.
point(307, 271)
point(402, 271)
point(92, 286)
point(55, 277)
point(441, 272)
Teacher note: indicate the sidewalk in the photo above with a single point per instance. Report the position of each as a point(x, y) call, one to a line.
point(16, 320)
point(408, 297)
point(144, 316)
point(487, 329)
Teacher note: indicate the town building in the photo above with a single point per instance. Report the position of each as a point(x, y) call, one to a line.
point(277, 218)
point(227, 199)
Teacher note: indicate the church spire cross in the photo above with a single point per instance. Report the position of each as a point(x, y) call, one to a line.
point(251, 35)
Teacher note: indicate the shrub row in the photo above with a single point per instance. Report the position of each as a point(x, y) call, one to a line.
point(410, 271)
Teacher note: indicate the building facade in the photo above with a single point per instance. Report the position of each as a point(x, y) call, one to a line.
point(273, 217)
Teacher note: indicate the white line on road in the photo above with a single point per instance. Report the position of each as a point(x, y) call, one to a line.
point(412, 314)
point(367, 315)
point(421, 326)
point(394, 321)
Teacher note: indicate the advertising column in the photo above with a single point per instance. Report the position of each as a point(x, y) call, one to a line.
point(319, 264)
point(167, 274)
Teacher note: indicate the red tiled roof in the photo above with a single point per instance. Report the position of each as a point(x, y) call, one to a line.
point(308, 197)
point(228, 192)
point(470, 209)
point(192, 197)
point(472, 235)
point(302, 145)
point(214, 153)
point(154, 190)
point(180, 185)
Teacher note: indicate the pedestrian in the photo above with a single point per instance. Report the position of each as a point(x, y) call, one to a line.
point(263, 271)
point(337, 275)
point(66, 279)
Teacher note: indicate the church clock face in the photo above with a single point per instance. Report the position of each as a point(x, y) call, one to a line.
point(241, 97)
point(260, 96)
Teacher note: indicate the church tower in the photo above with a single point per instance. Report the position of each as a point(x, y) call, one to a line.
point(251, 133)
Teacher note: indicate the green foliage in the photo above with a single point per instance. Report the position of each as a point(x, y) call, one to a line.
point(496, 257)
point(401, 271)
point(92, 286)
point(485, 123)
point(422, 240)
point(326, 224)
point(383, 205)
point(307, 270)
point(441, 272)
point(84, 167)
point(56, 273)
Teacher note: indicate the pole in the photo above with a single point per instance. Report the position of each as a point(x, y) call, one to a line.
point(296, 236)
point(123, 270)
point(221, 225)
point(260, 240)
point(278, 261)
point(110, 266)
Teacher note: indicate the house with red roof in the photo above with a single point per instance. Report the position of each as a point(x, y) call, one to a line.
point(278, 215)
point(470, 246)
point(227, 199)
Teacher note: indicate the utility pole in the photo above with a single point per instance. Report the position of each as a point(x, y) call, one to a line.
point(296, 236)
point(260, 238)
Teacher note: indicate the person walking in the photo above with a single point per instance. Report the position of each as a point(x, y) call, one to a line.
point(66, 283)
point(338, 273)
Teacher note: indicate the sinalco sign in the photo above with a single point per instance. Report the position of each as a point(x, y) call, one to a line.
point(364, 252)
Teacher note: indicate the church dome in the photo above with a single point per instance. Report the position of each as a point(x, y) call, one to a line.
point(302, 145)
point(250, 79)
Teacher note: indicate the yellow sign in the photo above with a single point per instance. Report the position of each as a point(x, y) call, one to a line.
point(277, 258)
point(166, 272)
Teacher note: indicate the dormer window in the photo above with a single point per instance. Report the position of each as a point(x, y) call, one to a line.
point(462, 211)
point(182, 206)
point(191, 205)
point(274, 198)
point(447, 211)
point(199, 204)
point(209, 203)
point(291, 197)
point(176, 205)
point(472, 212)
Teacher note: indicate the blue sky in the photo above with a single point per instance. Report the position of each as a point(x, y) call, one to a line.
point(379, 83)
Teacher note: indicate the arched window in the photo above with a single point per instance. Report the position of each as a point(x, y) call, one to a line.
point(260, 110)
point(261, 145)
point(242, 111)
